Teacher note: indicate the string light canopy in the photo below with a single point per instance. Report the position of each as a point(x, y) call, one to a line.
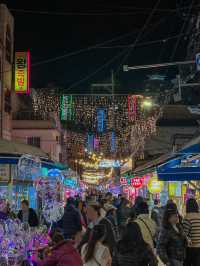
point(115, 126)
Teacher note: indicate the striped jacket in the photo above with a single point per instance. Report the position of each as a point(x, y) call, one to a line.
point(191, 225)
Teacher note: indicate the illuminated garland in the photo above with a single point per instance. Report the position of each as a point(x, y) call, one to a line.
point(66, 112)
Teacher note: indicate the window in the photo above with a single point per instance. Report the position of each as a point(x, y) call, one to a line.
point(34, 141)
point(8, 45)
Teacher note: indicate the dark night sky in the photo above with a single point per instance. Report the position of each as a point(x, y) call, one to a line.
point(51, 35)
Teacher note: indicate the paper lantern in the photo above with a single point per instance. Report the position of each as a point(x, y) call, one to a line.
point(155, 186)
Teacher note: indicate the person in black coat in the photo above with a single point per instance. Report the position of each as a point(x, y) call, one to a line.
point(28, 215)
point(132, 250)
point(71, 221)
point(171, 246)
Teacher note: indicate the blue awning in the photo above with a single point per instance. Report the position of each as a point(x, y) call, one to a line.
point(13, 159)
point(179, 174)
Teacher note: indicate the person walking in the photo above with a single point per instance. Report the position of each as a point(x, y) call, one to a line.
point(172, 240)
point(146, 224)
point(28, 215)
point(111, 215)
point(123, 213)
point(156, 213)
point(132, 250)
point(94, 216)
point(71, 221)
point(94, 253)
point(191, 225)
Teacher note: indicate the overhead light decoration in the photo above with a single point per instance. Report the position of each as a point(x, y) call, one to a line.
point(147, 103)
point(66, 108)
point(100, 120)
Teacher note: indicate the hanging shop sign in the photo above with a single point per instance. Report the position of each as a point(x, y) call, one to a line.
point(175, 189)
point(136, 182)
point(70, 183)
point(155, 186)
point(22, 72)
point(109, 164)
point(67, 112)
point(100, 120)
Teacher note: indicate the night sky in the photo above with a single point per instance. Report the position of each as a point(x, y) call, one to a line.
point(59, 31)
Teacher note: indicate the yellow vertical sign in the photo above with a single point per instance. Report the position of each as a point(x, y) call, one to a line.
point(22, 72)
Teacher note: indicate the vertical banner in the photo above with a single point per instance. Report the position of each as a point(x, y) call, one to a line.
point(90, 142)
point(113, 142)
point(22, 72)
point(132, 107)
point(100, 120)
point(66, 111)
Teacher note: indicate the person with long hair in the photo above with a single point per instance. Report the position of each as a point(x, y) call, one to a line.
point(172, 240)
point(95, 218)
point(191, 225)
point(94, 253)
point(132, 250)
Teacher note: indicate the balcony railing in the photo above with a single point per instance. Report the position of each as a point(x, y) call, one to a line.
point(31, 116)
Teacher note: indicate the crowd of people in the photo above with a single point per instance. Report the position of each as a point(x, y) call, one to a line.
point(108, 231)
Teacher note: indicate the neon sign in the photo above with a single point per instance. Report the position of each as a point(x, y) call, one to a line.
point(22, 72)
point(136, 182)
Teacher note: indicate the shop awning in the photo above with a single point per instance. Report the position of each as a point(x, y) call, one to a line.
point(175, 170)
point(11, 151)
point(13, 159)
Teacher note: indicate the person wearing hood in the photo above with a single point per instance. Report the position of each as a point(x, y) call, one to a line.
point(191, 226)
point(146, 224)
point(62, 252)
point(71, 221)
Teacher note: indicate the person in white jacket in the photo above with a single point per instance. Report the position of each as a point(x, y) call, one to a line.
point(94, 253)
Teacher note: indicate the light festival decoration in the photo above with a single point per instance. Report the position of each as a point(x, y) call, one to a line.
point(18, 242)
point(90, 142)
point(113, 141)
point(29, 167)
point(22, 72)
point(100, 120)
point(132, 107)
point(49, 190)
point(67, 112)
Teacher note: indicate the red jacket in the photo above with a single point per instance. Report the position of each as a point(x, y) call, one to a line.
point(63, 254)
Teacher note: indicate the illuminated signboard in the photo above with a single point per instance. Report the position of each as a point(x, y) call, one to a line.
point(70, 183)
point(22, 72)
point(136, 182)
point(109, 164)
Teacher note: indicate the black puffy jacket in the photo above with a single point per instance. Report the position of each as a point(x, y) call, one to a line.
point(71, 222)
point(171, 244)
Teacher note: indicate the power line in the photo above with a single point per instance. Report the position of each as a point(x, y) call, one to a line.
point(50, 60)
point(139, 34)
point(105, 65)
point(143, 43)
point(139, 10)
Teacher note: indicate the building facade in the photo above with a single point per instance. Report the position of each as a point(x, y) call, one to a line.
point(6, 59)
point(42, 131)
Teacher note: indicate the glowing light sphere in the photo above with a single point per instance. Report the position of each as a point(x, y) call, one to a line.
point(29, 166)
point(53, 211)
